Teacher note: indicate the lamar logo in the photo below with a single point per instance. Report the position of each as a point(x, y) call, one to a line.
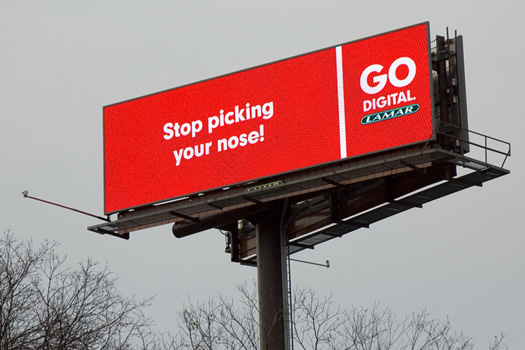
point(264, 186)
point(393, 113)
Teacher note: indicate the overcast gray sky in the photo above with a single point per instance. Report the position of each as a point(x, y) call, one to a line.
point(61, 61)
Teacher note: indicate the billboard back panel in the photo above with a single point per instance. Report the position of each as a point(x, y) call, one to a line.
point(361, 97)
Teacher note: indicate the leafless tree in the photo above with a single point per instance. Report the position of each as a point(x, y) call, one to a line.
point(318, 324)
point(498, 344)
point(315, 322)
point(380, 329)
point(45, 304)
point(219, 324)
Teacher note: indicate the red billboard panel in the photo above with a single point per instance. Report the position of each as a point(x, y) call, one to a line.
point(356, 98)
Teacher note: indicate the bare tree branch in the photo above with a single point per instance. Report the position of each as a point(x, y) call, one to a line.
point(46, 305)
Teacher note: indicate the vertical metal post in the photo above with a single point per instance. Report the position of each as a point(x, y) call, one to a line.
point(272, 277)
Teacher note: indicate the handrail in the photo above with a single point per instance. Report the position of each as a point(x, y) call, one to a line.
point(484, 146)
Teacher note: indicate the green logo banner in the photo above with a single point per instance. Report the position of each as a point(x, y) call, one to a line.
point(393, 113)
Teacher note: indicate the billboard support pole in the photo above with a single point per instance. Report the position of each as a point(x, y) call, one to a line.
point(272, 279)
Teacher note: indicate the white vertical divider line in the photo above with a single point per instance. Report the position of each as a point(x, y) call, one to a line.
point(341, 101)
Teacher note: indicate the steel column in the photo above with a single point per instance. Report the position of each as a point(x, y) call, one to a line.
point(272, 277)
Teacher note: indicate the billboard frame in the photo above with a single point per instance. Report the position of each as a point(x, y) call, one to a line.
point(312, 168)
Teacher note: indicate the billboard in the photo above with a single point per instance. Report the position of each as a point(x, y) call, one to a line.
point(365, 96)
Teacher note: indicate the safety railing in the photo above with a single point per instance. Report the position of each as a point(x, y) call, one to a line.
point(489, 146)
